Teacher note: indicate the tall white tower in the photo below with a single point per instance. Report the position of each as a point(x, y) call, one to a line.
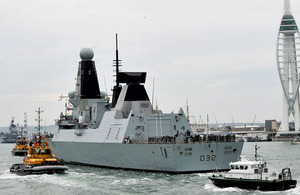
point(288, 61)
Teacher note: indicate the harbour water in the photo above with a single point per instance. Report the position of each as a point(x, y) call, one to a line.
point(92, 180)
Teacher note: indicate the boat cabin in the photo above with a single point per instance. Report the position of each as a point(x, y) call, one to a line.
point(249, 170)
point(39, 152)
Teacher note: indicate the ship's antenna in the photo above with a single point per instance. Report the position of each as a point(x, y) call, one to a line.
point(153, 94)
point(39, 111)
point(256, 147)
point(25, 120)
point(25, 124)
point(117, 88)
point(207, 127)
point(105, 84)
point(187, 110)
point(117, 61)
point(45, 130)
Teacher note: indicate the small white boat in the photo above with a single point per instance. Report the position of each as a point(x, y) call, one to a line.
point(254, 175)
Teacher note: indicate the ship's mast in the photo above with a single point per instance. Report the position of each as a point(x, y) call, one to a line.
point(39, 111)
point(117, 61)
point(117, 88)
point(24, 129)
point(187, 110)
point(25, 120)
point(256, 147)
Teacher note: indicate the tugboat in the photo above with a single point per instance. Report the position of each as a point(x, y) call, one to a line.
point(21, 147)
point(253, 175)
point(39, 160)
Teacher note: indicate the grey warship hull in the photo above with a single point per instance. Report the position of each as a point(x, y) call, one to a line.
point(10, 138)
point(173, 158)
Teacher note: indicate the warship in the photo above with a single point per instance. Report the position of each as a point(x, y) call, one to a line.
point(127, 133)
point(13, 134)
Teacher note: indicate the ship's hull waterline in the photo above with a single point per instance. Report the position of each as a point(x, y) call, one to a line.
point(173, 158)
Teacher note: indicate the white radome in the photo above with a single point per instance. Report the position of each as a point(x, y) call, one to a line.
point(86, 53)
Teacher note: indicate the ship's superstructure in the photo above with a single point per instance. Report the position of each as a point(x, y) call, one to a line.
point(288, 59)
point(127, 133)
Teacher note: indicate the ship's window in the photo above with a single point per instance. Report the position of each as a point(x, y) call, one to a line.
point(246, 167)
point(37, 151)
point(255, 170)
point(42, 151)
point(231, 166)
point(242, 167)
point(265, 170)
point(237, 167)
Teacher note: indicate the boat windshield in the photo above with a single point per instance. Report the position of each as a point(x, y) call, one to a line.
point(239, 167)
point(48, 151)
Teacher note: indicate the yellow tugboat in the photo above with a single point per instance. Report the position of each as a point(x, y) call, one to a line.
point(39, 159)
point(21, 147)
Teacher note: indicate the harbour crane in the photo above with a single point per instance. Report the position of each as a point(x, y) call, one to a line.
point(253, 120)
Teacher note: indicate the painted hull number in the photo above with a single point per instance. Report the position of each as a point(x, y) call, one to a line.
point(207, 157)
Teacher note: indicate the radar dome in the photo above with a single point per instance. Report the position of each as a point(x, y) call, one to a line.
point(71, 94)
point(86, 54)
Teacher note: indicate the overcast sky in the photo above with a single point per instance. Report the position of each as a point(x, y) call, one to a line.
point(220, 55)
